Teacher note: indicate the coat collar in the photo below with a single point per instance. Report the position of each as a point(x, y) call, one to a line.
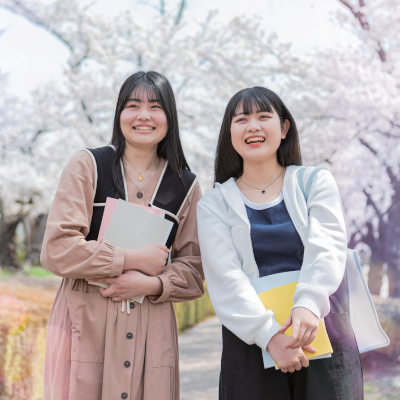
point(233, 196)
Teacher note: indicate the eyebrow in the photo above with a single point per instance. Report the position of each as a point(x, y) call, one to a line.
point(257, 112)
point(140, 101)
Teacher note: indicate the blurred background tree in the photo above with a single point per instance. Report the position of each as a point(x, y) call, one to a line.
point(345, 101)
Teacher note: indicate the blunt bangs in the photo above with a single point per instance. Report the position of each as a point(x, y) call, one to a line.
point(249, 101)
point(141, 89)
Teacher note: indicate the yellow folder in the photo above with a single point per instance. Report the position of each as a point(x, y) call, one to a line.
point(276, 295)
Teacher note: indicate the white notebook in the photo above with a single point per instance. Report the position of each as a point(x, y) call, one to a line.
point(133, 227)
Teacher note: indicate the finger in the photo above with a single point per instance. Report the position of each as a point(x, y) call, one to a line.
point(109, 292)
point(304, 361)
point(313, 334)
point(284, 370)
point(286, 324)
point(301, 332)
point(116, 299)
point(103, 280)
point(164, 248)
point(293, 344)
point(296, 327)
point(306, 335)
point(297, 367)
point(290, 344)
point(310, 348)
point(291, 369)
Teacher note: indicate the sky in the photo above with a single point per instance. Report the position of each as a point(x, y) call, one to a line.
point(30, 56)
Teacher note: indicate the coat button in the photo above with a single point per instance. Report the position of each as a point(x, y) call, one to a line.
point(127, 364)
point(132, 305)
point(139, 195)
point(129, 335)
point(124, 395)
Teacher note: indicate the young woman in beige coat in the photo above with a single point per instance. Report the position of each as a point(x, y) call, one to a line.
point(97, 349)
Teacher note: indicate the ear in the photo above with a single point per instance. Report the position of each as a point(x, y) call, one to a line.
point(285, 129)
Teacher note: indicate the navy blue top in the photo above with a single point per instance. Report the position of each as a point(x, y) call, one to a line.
point(277, 246)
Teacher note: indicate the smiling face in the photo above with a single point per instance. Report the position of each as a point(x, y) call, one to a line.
point(143, 120)
point(257, 135)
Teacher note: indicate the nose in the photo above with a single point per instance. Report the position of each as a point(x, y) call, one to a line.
point(143, 115)
point(253, 126)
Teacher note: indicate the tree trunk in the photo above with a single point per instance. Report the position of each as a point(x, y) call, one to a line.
point(35, 228)
point(392, 242)
point(393, 274)
point(375, 276)
point(8, 246)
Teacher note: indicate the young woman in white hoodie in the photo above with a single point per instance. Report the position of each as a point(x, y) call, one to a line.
point(256, 222)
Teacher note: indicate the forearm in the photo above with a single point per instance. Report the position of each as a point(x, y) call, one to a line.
point(74, 257)
point(154, 286)
point(181, 281)
point(325, 252)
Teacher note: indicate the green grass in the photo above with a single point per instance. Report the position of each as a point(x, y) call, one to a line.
point(39, 272)
point(36, 271)
point(5, 274)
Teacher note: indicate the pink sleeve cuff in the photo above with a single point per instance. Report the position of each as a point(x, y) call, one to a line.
point(117, 265)
point(166, 290)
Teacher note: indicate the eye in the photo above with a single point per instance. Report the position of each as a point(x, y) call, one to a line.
point(240, 120)
point(132, 106)
point(265, 116)
point(156, 106)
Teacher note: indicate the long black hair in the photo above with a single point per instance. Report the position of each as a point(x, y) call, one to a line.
point(228, 163)
point(156, 87)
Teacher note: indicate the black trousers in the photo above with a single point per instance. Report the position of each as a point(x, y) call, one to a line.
point(243, 376)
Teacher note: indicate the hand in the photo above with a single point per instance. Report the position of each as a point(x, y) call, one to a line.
point(130, 284)
point(288, 360)
point(150, 259)
point(304, 327)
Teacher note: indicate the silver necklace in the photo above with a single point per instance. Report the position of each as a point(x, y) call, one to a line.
point(266, 187)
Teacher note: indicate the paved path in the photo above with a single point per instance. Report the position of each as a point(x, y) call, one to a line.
point(200, 357)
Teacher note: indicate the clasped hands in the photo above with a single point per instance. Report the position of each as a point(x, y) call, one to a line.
point(287, 351)
point(139, 276)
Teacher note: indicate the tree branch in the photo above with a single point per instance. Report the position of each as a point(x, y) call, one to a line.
point(319, 117)
point(180, 13)
point(89, 118)
point(368, 146)
point(24, 12)
point(357, 14)
point(389, 134)
point(370, 202)
point(362, 19)
point(389, 170)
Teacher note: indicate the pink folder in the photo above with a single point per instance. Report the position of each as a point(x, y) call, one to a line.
point(111, 203)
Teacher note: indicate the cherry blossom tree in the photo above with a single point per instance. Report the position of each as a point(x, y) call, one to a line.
point(22, 184)
point(206, 62)
point(356, 111)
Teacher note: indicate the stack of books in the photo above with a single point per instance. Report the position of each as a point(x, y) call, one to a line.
point(132, 226)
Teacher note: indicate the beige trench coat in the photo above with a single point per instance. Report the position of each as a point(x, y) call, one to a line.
point(93, 350)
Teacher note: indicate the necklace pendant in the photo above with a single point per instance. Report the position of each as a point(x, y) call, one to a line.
point(262, 191)
point(140, 178)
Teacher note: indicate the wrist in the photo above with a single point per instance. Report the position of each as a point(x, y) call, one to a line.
point(275, 340)
point(131, 259)
point(154, 286)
